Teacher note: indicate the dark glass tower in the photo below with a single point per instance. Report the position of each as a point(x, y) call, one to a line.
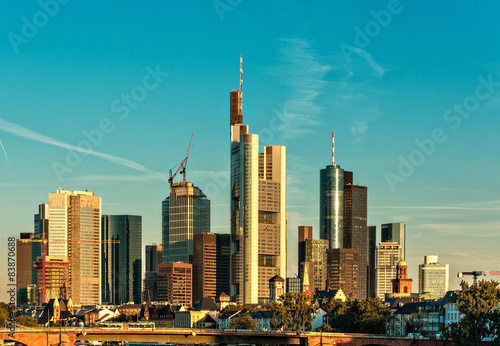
point(185, 212)
point(121, 258)
point(331, 206)
point(372, 249)
point(395, 232)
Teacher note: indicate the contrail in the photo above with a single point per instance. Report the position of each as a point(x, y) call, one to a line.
point(37, 137)
point(6, 157)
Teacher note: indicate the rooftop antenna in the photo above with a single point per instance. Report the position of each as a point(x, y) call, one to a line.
point(240, 90)
point(333, 148)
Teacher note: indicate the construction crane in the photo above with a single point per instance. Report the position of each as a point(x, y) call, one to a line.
point(477, 273)
point(182, 166)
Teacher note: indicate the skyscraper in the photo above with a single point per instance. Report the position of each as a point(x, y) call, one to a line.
point(175, 282)
point(210, 265)
point(433, 276)
point(24, 264)
point(372, 247)
point(70, 227)
point(331, 205)
point(387, 257)
point(258, 211)
point(121, 259)
point(343, 271)
point(356, 229)
point(395, 232)
point(313, 251)
point(185, 212)
point(154, 254)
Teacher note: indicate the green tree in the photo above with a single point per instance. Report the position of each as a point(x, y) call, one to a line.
point(124, 318)
point(478, 305)
point(26, 321)
point(243, 321)
point(294, 311)
point(242, 308)
point(358, 316)
point(4, 313)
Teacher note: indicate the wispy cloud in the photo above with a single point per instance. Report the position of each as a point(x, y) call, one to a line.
point(122, 178)
point(24, 132)
point(305, 75)
point(5, 153)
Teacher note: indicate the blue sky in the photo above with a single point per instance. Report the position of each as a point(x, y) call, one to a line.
point(410, 88)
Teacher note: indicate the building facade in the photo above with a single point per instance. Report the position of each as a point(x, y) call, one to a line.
point(175, 282)
point(154, 254)
point(185, 212)
point(331, 205)
point(121, 259)
point(433, 276)
point(356, 228)
point(314, 251)
point(343, 271)
point(211, 265)
point(395, 232)
point(372, 249)
point(24, 264)
point(69, 226)
point(387, 257)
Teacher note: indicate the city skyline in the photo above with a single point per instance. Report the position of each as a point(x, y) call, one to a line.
point(412, 95)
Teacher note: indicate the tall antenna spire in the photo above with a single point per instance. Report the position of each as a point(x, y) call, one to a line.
point(240, 90)
point(333, 148)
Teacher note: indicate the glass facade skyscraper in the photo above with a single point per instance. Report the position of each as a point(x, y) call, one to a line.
point(121, 259)
point(185, 212)
point(331, 206)
point(395, 232)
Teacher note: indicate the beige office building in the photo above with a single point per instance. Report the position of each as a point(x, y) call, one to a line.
point(433, 276)
point(388, 255)
point(71, 225)
point(258, 212)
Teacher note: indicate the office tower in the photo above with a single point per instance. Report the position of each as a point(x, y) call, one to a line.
point(433, 276)
point(401, 285)
point(313, 251)
point(150, 286)
point(154, 254)
point(210, 265)
point(343, 271)
point(387, 257)
point(395, 232)
point(258, 212)
point(121, 259)
point(24, 264)
point(355, 228)
point(372, 247)
point(175, 283)
point(293, 285)
point(70, 227)
point(331, 205)
point(305, 233)
point(185, 212)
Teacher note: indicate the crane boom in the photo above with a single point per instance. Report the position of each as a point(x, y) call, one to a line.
point(182, 166)
point(477, 273)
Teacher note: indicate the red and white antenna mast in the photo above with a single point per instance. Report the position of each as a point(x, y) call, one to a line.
point(240, 90)
point(333, 148)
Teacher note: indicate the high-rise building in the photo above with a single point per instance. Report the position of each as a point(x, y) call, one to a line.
point(372, 247)
point(121, 259)
point(258, 211)
point(433, 276)
point(313, 251)
point(185, 212)
point(356, 229)
point(70, 227)
point(24, 264)
point(154, 254)
point(387, 257)
point(175, 283)
point(293, 285)
point(395, 232)
point(210, 265)
point(343, 271)
point(52, 278)
point(331, 205)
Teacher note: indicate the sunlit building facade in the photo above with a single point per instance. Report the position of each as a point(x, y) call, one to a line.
point(433, 276)
point(331, 205)
point(388, 255)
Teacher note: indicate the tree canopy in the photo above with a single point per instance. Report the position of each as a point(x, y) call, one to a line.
point(4, 313)
point(358, 316)
point(478, 306)
point(243, 321)
point(294, 311)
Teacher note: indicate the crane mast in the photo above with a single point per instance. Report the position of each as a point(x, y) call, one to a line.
point(182, 166)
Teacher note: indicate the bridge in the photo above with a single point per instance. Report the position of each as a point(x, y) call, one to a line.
point(68, 336)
